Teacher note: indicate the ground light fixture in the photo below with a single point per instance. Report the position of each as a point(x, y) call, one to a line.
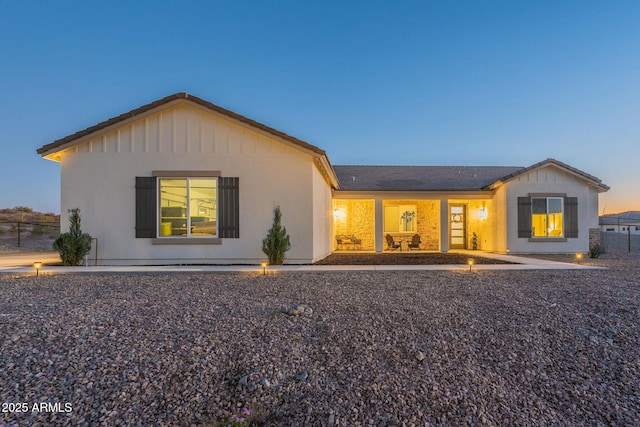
point(470, 261)
point(37, 265)
point(264, 264)
point(579, 256)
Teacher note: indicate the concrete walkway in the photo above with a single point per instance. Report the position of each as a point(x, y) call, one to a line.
point(23, 264)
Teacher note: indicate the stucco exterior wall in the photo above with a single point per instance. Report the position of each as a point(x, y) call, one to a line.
point(98, 176)
point(322, 216)
point(551, 180)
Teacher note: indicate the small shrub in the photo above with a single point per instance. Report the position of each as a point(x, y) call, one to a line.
point(74, 245)
point(277, 242)
point(596, 250)
point(474, 241)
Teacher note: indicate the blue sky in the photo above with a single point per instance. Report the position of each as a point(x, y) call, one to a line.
point(397, 82)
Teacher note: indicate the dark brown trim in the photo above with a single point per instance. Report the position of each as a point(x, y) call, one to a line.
point(597, 182)
point(187, 174)
point(186, 241)
point(547, 194)
point(46, 149)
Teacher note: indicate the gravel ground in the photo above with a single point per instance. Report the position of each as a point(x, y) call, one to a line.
point(367, 348)
point(405, 258)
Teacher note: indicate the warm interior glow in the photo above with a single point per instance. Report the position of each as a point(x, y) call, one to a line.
point(547, 217)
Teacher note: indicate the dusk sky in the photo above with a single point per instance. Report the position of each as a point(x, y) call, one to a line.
point(506, 83)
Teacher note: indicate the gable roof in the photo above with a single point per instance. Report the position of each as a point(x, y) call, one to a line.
point(320, 155)
point(590, 179)
point(70, 139)
point(419, 178)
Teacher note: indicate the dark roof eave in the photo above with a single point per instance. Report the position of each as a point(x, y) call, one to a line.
point(596, 182)
point(50, 148)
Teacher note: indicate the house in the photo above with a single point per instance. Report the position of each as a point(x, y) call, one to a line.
point(181, 180)
point(624, 222)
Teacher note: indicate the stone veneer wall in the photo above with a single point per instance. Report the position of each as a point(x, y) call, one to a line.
point(594, 237)
point(428, 223)
point(356, 217)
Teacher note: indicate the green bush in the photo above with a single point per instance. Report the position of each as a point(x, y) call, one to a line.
point(596, 250)
point(74, 245)
point(277, 242)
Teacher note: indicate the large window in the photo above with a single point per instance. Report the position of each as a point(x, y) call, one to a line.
point(547, 217)
point(188, 207)
point(400, 219)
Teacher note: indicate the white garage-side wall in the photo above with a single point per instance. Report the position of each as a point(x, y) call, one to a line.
point(98, 176)
point(322, 216)
point(550, 180)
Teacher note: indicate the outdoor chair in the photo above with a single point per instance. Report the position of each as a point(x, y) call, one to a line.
point(392, 244)
point(357, 243)
point(415, 242)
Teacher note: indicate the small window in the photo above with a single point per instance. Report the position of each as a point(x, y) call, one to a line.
point(637, 228)
point(611, 229)
point(547, 217)
point(188, 207)
point(400, 219)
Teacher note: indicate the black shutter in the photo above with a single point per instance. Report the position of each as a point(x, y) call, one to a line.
point(524, 216)
point(229, 207)
point(571, 217)
point(146, 215)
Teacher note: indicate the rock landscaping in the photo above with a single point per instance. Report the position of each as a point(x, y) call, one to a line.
point(329, 349)
point(406, 258)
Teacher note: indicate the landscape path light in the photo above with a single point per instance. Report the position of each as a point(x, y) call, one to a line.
point(264, 264)
point(470, 261)
point(579, 256)
point(37, 265)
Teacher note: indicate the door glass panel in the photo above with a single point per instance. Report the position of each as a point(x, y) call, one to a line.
point(457, 233)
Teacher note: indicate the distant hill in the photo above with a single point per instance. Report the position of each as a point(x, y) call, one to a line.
point(25, 214)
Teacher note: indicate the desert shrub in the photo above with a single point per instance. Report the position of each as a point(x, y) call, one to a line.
point(596, 250)
point(277, 242)
point(74, 245)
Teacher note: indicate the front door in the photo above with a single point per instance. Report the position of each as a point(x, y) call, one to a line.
point(458, 227)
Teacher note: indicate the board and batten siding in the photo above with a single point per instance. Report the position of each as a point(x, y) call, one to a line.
point(98, 175)
point(179, 130)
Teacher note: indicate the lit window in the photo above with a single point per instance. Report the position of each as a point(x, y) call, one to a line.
point(547, 217)
point(188, 207)
point(400, 219)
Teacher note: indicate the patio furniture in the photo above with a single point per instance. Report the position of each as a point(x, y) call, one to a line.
point(415, 242)
point(351, 240)
point(392, 244)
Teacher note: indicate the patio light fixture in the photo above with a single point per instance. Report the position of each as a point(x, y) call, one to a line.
point(470, 261)
point(482, 213)
point(37, 265)
point(264, 264)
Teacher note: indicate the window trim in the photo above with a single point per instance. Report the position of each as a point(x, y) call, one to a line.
point(188, 239)
point(547, 237)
